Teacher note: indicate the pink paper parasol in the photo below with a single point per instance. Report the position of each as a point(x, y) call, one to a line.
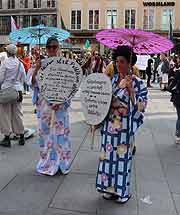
point(142, 42)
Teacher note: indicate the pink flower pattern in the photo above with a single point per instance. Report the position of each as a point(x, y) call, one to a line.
point(55, 144)
point(109, 147)
point(104, 177)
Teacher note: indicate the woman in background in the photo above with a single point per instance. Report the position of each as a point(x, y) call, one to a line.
point(174, 88)
point(12, 74)
point(149, 72)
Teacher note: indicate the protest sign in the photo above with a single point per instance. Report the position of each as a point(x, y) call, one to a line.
point(142, 61)
point(96, 95)
point(59, 79)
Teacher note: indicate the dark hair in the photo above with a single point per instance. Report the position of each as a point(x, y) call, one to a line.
point(95, 52)
point(99, 65)
point(165, 54)
point(50, 40)
point(126, 52)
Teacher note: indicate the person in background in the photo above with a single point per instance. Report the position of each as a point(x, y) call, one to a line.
point(26, 60)
point(174, 88)
point(149, 72)
point(125, 116)
point(75, 57)
point(94, 64)
point(11, 120)
point(106, 60)
point(99, 66)
point(165, 67)
point(68, 55)
point(55, 145)
point(172, 71)
point(157, 61)
point(3, 55)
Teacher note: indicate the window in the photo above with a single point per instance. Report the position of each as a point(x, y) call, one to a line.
point(22, 21)
point(49, 20)
point(111, 18)
point(51, 3)
point(37, 3)
point(149, 17)
point(11, 4)
point(76, 19)
point(166, 15)
point(23, 3)
point(0, 4)
point(93, 19)
point(130, 18)
point(5, 25)
point(36, 20)
point(26, 21)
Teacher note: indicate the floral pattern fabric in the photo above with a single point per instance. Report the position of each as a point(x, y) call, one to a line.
point(55, 153)
point(55, 145)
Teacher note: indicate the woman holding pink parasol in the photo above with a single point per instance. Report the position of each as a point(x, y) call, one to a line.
point(124, 118)
point(126, 112)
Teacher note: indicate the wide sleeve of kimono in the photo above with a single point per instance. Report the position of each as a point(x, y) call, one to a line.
point(138, 109)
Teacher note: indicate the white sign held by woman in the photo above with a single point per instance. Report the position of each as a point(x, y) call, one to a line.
point(59, 79)
point(96, 95)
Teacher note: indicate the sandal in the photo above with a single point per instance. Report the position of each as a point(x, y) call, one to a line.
point(108, 196)
point(123, 200)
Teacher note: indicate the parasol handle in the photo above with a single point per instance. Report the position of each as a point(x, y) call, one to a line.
point(93, 136)
point(52, 118)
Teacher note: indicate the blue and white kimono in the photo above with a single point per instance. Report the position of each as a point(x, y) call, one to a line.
point(55, 145)
point(118, 131)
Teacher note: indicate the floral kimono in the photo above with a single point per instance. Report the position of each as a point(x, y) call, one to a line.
point(55, 146)
point(124, 118)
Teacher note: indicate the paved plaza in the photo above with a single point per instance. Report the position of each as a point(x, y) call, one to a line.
point(156, 171)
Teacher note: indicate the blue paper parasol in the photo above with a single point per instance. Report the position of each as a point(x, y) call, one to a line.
point(38, 35)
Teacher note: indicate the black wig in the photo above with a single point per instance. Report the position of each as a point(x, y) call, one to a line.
point(50, 40)
point(126, 52)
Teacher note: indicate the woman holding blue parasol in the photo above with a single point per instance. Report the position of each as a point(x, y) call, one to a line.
point(55, 153)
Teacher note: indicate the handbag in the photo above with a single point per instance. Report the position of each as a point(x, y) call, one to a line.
point(10, 95)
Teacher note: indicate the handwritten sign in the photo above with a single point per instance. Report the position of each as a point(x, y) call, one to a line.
point(59, 79)
point(142, 61)
point(96, 95)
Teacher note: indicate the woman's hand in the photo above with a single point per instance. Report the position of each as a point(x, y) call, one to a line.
point(94, 128)
point(56, 107)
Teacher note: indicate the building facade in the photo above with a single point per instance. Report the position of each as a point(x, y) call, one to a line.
point(85, 17)
point(27, 13)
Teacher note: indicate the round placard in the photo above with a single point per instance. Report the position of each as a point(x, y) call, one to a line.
point(59, 79)
point(96, 95)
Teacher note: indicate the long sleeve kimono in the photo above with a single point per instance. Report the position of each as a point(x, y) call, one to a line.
point(55, 146)
point(123, 120)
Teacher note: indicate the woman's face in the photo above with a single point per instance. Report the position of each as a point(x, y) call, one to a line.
point(52, 49)
point(122, 64)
